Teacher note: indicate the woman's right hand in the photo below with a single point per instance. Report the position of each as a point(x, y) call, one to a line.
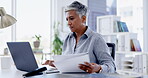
point(49, 62)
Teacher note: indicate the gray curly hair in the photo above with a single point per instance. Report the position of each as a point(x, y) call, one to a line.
point(78, 7)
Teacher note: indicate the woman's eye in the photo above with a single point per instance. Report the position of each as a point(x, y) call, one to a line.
point(71, 18)
point(66, 19)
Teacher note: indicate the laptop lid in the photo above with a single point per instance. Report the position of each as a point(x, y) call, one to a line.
point(23, 56)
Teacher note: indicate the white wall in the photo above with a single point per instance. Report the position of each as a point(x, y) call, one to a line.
point(145, 25)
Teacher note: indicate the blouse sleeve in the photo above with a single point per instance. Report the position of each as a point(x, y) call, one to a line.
point(103, 57)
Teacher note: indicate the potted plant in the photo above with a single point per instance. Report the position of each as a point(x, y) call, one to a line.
point(36, 43)
point(57, 43)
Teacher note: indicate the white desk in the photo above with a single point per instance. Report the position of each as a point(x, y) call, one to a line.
point(14, 73)
point(11, 73)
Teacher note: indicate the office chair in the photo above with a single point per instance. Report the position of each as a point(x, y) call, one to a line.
point(112, 49)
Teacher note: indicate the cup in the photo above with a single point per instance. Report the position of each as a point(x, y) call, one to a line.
point(5, 62)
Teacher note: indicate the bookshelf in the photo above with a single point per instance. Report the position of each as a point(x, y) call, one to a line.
point(115, 31)
point(105, 24)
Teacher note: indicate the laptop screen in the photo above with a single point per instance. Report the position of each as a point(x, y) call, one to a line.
point(23, 56)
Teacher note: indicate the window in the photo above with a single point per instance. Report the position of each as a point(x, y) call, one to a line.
point(33, 19)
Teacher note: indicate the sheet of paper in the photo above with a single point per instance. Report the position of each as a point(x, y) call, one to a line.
point(70, 63)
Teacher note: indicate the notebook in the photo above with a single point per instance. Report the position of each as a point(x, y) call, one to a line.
point(23, 56)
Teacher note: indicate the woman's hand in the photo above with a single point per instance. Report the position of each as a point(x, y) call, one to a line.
point(90, 67)
point(49, 62)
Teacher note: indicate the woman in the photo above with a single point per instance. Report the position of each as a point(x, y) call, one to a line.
point(82, 39)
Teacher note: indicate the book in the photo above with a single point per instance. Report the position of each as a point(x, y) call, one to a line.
point(136, 63)
point(132, 46)
point(135, 45)
point(119, 26)
point(145, 64)
point(140, 64)
point(128, 37)
point(124, 27)
point(115, 29)
point(124, 41)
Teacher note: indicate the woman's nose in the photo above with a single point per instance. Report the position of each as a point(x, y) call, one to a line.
point(69, 23)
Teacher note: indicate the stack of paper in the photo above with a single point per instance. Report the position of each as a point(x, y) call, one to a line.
point(70, 63)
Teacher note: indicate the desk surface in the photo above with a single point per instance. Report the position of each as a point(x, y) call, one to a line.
point(80, 76)
point(11, 73)
point(14, 73)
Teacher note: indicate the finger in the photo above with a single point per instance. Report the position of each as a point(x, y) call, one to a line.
point(81, 64)
point(46, 62)
point(83, 67)
point(51, 60)
point(52, 65)
point(89, 70)
point(88, 64)
point(93, 63)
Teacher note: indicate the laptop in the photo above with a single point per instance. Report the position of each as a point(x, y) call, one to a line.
point(23, 56)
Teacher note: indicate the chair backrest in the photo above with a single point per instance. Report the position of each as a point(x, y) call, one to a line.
point(112, 49)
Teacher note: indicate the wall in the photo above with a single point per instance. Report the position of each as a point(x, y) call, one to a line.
point(145, 25)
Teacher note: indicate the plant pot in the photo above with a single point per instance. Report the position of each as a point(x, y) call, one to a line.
point(36, 44)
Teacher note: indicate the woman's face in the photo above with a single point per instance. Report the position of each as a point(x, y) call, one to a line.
point(75, 22)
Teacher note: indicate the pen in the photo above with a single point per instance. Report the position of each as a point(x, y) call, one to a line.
point(35, 72)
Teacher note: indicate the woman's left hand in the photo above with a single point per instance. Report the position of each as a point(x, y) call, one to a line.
point(90, 67)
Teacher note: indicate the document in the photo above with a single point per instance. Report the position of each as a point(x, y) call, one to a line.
point(70, 63)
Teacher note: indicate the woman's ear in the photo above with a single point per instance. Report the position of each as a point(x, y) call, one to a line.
point(83, 19)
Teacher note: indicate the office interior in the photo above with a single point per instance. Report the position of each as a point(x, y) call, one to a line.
point(44, 18)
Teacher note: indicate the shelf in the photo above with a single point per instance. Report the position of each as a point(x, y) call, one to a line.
point(115, 31)
point(118, 33)
point(130, 73)
point(131, 52)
